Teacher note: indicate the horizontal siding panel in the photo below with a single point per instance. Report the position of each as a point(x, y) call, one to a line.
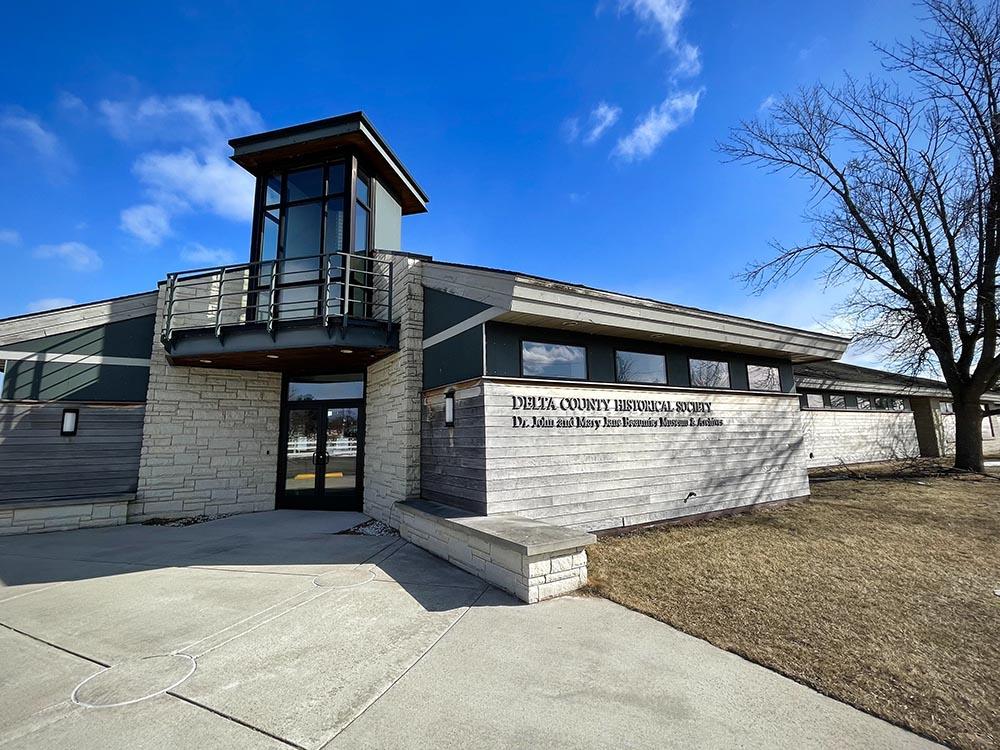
point(37, 462)
point(604, 478)
point(453, 459)
point(835, 437)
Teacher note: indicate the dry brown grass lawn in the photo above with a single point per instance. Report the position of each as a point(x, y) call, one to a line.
point(877, 592)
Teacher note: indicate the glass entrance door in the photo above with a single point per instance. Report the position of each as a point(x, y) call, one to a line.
point(320, 456)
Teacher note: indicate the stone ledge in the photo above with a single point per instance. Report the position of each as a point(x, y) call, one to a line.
point(530, 559)
point(63, 501)
point(63, 514)
point(524, 535)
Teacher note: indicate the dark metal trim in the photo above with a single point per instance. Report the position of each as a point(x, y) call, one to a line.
point(320, 500)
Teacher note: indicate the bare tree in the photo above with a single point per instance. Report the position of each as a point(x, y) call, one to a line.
point(906, 206)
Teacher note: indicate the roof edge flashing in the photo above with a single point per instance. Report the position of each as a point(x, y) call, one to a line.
point(256, 151)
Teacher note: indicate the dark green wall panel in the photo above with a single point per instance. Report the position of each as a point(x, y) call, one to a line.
point(59, 381)
point(443, 310)
point(124, 338)
point(457, 358)
point(55, 381)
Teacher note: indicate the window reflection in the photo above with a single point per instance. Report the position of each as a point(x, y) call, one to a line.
point(553, 361)
point(304, 184)
point(636, 367)
point(302, 228)
point(763, 378)
point(320, 389)
point(709, 373)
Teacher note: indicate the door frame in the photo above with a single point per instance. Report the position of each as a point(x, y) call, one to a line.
point(324, 501)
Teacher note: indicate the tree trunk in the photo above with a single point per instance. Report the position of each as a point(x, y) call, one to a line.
point(969, 435)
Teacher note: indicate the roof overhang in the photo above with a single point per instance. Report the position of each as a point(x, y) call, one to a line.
point(76, 317)
point(529, 300)
point(261, 152)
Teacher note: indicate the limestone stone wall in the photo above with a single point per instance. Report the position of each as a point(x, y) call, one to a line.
point(392, 404)
point(531, 578)
point(593, 475)
point(210, 440)
point(52, 515)
point(834, 437)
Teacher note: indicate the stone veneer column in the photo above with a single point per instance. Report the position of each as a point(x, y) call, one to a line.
point(209, 439)
point(392, 403)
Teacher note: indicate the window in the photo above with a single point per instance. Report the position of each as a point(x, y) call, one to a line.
point(814, 400)
point(947, 407)
point(362, 213)
point(302, 219)
point(553, 361)
point(303, 213)
point(838, 401)
point(636, 367)
point(326, 387)
point(763, 378)
point(709, 373)
point(891, 403)
point(865, 402)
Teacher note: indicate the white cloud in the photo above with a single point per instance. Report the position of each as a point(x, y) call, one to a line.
point(666, 16)
point(207, 256)
point(76, 255)
point(9, 237)
point(570, 129)
point(180, 119)
point(22, 131)
point(68, 102)
point(30, 129)
point(673, 112)
point(602, 117)
point(197, 176)
point(148, 222)
point(768, 102)
point(867, 358)
point(203, 181)
point(50, 303)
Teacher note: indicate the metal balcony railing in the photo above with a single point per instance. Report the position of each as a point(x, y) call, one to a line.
point(328, 290)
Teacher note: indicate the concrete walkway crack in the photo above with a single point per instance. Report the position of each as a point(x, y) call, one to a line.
point(405, 672)
point(56, 646)
point(234, 720)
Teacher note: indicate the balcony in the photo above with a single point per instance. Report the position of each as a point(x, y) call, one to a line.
point(308, 314)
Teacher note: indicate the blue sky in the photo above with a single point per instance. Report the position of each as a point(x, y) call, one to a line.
point(574, 140)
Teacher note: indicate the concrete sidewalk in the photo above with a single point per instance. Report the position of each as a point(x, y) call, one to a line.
point(272, 630)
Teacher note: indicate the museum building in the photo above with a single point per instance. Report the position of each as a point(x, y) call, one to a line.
point(494, 418)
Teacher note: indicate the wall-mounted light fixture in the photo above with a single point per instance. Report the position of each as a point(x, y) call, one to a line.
point(449, 409)
point(70, 420)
